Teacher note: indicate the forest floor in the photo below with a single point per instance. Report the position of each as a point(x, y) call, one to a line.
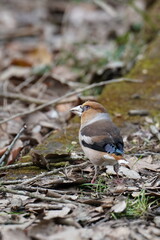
point(55, 55)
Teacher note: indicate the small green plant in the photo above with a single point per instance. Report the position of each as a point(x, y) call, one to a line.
point(137, 207)
point(100, 187)
point(70, 148)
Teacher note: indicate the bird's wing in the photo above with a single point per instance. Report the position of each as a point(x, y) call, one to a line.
point(103, 136)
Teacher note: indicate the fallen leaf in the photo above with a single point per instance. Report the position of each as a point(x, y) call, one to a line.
point(39, 54)
point(21, 62)
point(123, 171)
point(16, 203)
point(119, 207)
point(57, 213)
point(14, 71)
point(14, 234)
point(144, 163)
point(40, 160)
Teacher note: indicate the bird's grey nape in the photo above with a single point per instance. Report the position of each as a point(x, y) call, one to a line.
point(100, 116)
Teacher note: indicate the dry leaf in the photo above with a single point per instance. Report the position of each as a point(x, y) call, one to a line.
point(119, 207)
point(123, 171)
point(57, 213)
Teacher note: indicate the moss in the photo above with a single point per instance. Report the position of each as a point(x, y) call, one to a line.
point(20, 173)
point(152, 22)
point(59, 142)
point(26, 158)
point(117, 98)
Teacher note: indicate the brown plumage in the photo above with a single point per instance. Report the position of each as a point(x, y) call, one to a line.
point(99, 137)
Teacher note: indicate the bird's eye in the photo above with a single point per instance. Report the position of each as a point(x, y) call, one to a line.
point(86, 107)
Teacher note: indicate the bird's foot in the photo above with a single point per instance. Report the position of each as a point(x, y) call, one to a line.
point(93, 180)
point(95, 175)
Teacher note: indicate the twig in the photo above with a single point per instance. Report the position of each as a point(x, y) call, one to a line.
point(32, 189)
point(10, 182)
point(44, 174)
point(32, 195)
point(54, 101)
point(9, 149)
point(44, 190)
point(31, 79)
point(24, 181)
point(25, 83)
point(44, 206)
point(22, 98)
point(21, 32)
point(106, 7)
point(155, 131)
point(143, 154)
point(17, 165)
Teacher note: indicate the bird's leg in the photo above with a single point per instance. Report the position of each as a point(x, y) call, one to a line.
point(116, 169)
point(95, 174)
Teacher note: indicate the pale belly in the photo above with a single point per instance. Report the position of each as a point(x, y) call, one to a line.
point(98, 158)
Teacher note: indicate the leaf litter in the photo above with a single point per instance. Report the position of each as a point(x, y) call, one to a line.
point(44, 56)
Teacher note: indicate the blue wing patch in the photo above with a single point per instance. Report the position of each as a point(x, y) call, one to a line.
point(113, 149)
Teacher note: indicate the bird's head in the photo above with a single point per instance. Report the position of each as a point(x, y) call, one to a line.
point(89, 110)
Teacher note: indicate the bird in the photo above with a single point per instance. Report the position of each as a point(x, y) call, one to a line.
point(99, 137)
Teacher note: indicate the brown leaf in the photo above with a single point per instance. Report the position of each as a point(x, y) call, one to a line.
point(39, 54)
point(21, 62)
point(39, 160)
point(57, 213)
point(2, 151)
point(15, 152)
point(144, 163)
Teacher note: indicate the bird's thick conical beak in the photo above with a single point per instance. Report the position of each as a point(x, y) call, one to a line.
point(77, 110)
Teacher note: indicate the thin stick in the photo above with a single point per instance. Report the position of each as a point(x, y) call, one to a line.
point(22, 98)
point(46, 206)
point(17, 165)
point(32, 195)
point(24, 181)
point(33, 189)
point(21, 32)
point(44, 174)
point(143, 154)
point(25, 83)
point(9, 149)
point(54, 101)
point(11, 182)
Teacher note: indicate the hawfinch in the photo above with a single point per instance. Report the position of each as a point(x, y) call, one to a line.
point(99, 137)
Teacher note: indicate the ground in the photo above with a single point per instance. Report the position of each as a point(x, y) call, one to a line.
point(45, 182)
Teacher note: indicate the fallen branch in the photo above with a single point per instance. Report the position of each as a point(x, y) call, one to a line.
point(44, 206)
point(25, 83)
point(143, 154)
point(24, 181)
point(17, 165)
point(55, 101)
point(21, 32)
point(22, 98)
point(32, 195)
point(10, 182)
point(9, 149)
point(44, 174)
point(33, 189)
point(44, 190)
